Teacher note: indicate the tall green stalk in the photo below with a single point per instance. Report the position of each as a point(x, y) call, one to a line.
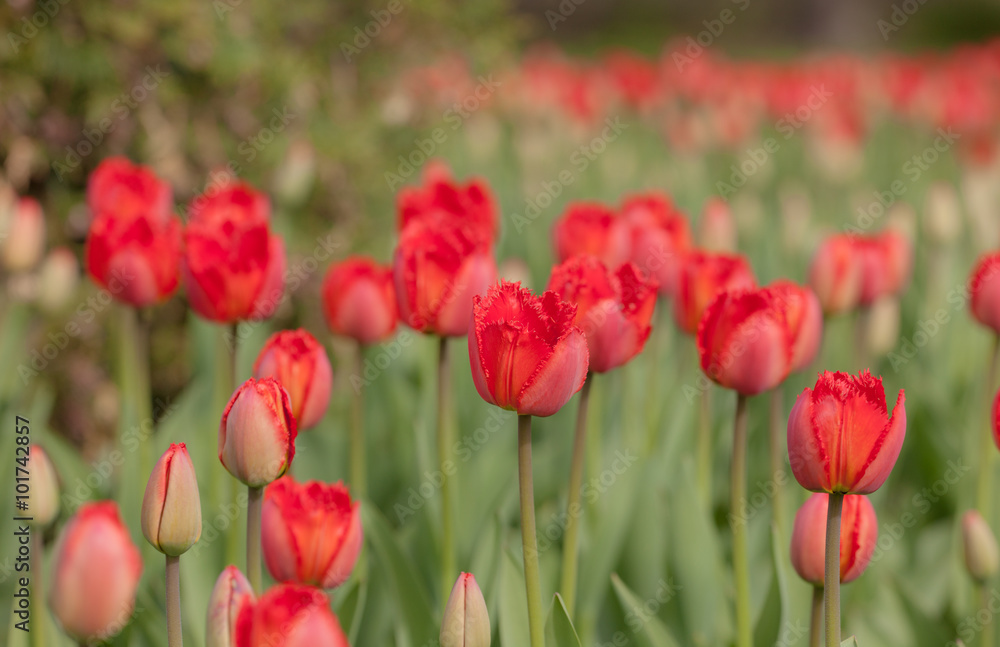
point(255, 502)
point(359, 479)
point(529, 540)
point(777, 424)
point(737, 495)
point(444, 444)
point(984, 486)
point(816, 618)
point(831, 574)
point(703, 443)
point(174, 634)
point(574, 510)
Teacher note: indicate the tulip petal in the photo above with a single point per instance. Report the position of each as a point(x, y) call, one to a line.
point(556, 379)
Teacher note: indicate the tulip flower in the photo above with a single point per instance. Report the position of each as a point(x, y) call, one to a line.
point(289, 615)
point(702, 276)
point(836, 274)
point(437, 270)
point(359, 300)
point(233, 266)
point(95, 574)
point(804, 316)
point(614, 309)
point(43, 488)
point(311, 532)
point(442, 198)
point(842, 441)
point(466, 620)
point(858, 537)
point(716, 229)
point(527, 355)
point(660, 237)
point(134, 242)
point(23, 242)
point(256, 445)
point(982, 556)
point(593, 229)
point(984, 291)
point(230, 594)
point(299, 363)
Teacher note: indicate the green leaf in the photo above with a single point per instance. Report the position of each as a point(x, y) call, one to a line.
point(414, 606)
point(559, 629)
point(513, 608)
point(774, 614)
point(352, 608)
point(648, 629)
point(850, 642)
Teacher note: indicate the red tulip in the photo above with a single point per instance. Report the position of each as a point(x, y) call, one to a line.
point(661, 237)
point(858, 536)
point(805, 320)
point(613, 309)
point(171, 507)
point(232, 591)
point(836, 274)
point(527, 355)
point(885, 261)
point(95, 573)
point(129, 190)
point(311, 532)
point(438, 269)
point(744, 341)
point(22, 240)
point(840, 437)
point(442, 198)
point(984, 291)
point(996, 419)
point(289, 615)
point(257, 432)
point(702, 276)
point(300, 364)
point(595, 229)
point(359, 300)
point(233, 265)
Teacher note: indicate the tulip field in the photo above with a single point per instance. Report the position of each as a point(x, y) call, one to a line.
point(521, 349)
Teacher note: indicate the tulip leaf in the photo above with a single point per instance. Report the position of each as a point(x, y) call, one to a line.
point(352, 608)
point(513, 608)
point(648, 629)
point(850, 642)
point(414, 606)
point(559, 630)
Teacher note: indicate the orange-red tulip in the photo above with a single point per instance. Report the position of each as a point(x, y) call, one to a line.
point(311, 532)
point(805, 320)
point(702, 276)
point(231, 593)
point(95, 573)
point(744, 341)
point(661, 236)
point(300, 364)
point(595, 229)
point(442, 198)
point(257, 432)
point(716, 229)
point(526, 353)
point(613, 309)
point(359, 300)
point(289, 615)
point(171, 507)
point(984, 291)
point(836, 274)
point(858, 536)
point(840, 436)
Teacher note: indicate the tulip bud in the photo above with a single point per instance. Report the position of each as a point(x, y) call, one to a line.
point(57, 279)
point(982, 557)
point(289, 615)
point(231, 593)
point(300, 364)
point(171, 507)
point(466, 621)
point(858, 536)
point(984, 289)
point(24, 239)
point(43, 488)
point(716, 230)
point(359, 300)
point(95, 573)
point(257, 432)
point(835, 274)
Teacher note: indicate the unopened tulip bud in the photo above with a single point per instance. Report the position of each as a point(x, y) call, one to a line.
point(858, 536)
point(466, 621)
point(257, 433)
point(43, 488)
point(24, 242)
point(982, 557)
point(716, 229)
point(231, 592)
point(300, 364)
point(57, 279)
point(171, 507)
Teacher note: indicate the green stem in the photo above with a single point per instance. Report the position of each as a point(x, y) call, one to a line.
point(986, 637)
point(224, 490)
point(737, 494)
point(984, 486)
point(444, 443)
point(816, 618)
point(861, 339)
point(174, 636)
point(574, 510)
point(704, 446)
point(255, 500)
point(136, 331)
point(777, 448)
point(358, 477)
point(831, 575)
point(37, 588)
point(529, 541)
